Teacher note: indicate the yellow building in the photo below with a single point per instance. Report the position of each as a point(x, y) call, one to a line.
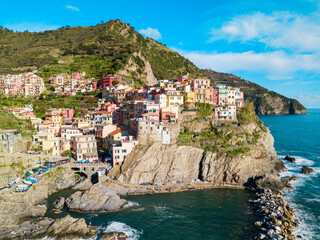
point(189, 97)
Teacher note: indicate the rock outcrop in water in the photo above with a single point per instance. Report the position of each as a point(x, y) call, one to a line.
point(306, 170)
point(97, 198)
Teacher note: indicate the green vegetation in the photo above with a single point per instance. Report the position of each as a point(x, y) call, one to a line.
point(67, 153)
point(106, 48)
point(237, 151)
point(9, 121)
point(247, 114)
point(205, 109)
point(46, 101)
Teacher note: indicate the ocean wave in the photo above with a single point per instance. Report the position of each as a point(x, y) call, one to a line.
point(300, 161)
point(138, 209)
point(133, 234)
point(131, 204)
point(161, 210)
point(89, 216)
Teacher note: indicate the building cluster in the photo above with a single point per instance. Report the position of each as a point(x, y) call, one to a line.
point(26, 84)
point(165, 97)
point(125, 116)
point(71, 84)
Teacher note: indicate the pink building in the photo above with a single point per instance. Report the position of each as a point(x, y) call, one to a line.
point(77, 76)
point(215, 96)
point(109, 107)
point(122, 149)
point(200, 84)
point(107, 81)
point(85, 147)
point(151, 116)
point(67, 114)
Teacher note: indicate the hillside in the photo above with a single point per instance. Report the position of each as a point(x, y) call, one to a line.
point(115, 47)
point(107, 48)
point(265, 101)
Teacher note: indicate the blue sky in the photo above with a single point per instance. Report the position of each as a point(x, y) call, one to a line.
point(273, 43)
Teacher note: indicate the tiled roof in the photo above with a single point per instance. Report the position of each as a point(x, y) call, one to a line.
point(102, 112)
point(115, 132)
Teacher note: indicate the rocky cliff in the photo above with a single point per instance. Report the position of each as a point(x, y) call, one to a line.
point(266, 102)
point(16, 206)
point(218, 154)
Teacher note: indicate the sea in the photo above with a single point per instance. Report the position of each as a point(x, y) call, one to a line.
point(299, 136)
point(225, 213)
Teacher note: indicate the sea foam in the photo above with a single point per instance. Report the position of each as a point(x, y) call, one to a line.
point(133, 234)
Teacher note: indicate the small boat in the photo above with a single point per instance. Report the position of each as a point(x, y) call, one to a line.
point(27, 182)
point(17, 180)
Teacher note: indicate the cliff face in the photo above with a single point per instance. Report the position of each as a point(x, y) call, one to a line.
point(266, 102)
point(233, 155)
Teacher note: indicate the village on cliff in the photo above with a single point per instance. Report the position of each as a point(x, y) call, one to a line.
point(123, 118)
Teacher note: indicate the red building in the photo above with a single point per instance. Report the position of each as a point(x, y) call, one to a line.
point(215, 96)
point(107, 81)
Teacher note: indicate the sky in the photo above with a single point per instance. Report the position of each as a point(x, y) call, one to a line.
point(275, 44)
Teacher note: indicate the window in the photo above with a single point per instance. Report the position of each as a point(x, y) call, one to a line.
point(124, 151)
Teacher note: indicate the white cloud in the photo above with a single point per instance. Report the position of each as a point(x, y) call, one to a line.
point(31, 27)
point(276, 65)
point(300, 96)
point(279, 30)
point(151, 33)
point(317, 96)
point(73, 8)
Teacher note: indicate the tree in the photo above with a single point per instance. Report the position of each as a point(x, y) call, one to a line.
point(67, 153)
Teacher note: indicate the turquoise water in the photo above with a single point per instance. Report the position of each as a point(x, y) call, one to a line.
point(206, 214)
point(299, 136)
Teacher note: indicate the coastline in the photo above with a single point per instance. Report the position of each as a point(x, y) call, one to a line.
point(196, 186)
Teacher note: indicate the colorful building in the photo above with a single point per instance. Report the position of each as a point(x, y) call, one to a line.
point(85, 147)
point(107, 81)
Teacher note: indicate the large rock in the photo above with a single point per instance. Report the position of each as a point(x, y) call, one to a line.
point(289, 158)
point(68, 228)
point(98, 198)
point(306, 170)
point(58, 204)
point(268, 180)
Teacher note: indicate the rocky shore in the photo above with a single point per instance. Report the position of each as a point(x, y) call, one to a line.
point(276, 219)
point(63, 228)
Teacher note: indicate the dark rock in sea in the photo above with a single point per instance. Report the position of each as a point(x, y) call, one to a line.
point(271, 181)
point(306, 170)
point(58, 204)
point(289, 158)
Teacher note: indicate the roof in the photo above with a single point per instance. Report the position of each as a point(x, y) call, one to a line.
point(101, 112)
point(115, 132)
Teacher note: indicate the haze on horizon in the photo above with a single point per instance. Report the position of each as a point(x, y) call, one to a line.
point(272, 43)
